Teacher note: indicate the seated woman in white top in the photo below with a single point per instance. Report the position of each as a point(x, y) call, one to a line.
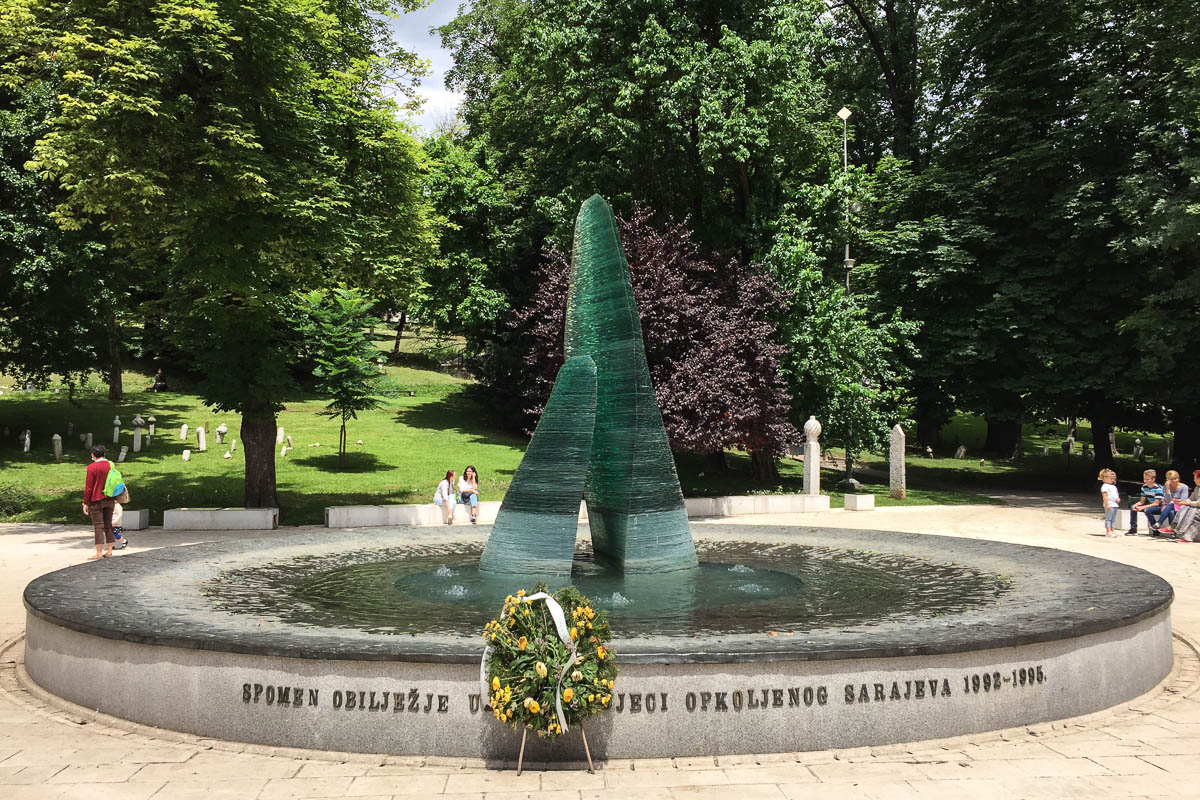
point(444, 497)
point(468, 489)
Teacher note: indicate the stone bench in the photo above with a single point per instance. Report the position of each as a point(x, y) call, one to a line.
point(135, 519)
point(220, 519)
point(421, 514)
point(859, 502)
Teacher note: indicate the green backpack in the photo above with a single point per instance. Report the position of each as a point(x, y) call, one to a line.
point(114, 484)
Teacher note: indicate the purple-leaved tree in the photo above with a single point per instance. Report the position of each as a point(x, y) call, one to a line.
point(709, 342)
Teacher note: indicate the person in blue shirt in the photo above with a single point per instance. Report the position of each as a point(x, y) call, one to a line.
point(1149, 501)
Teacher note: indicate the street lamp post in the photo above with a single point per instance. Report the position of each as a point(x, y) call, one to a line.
point(844, 114)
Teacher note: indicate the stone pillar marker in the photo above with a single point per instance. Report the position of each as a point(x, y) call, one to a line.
point(187, 455)
point(124, 452)
point(201, 440)
point(1112, 442)
point(961, 452)
point(289, 441)
point(26, 436)
point(116, 430)
point(183, 429)
point(151, 421)
point(812, 457)
point(899, 486)
point(57, 440)
point(232, 445)
point(283, 452)
point(222, 429)
point(279, 435)
point(1045, 449)
point(137, 433)
point(87, 442)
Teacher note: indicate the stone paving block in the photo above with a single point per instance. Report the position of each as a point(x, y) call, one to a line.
point(648, 793)
point(95, 773)
point(822, 791)
point(35, 792)
point(757, 791)
point(527, 781)
point(27, 775)
point(980, 789)
point(555, 780)
point(293, 788)
point(1029, 788)
point(887, 790)
point(562, 794)
point(156, 755)
point(775, 773)
point(1176, 764)
point(640, 779)
point(1143, 732)
point(237, 789)
point(5, 754)
point(330, 769)
point(705, 762)
point(866, 771)
point(1010, 750)
point(1127, 765)
point(203, 769)
point(1114, 747)
point(141, 790)
point(48, 755)
point(398, 785)
point(1127, 786)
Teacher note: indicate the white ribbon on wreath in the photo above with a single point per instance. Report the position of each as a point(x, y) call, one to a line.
point(560, 623)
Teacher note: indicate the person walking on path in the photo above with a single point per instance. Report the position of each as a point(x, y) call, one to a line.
point(96, 505)
point(468, 490)
point(444, 497)
point(1111, 499)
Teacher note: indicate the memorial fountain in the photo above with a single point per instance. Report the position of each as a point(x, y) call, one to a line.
point(743, 639)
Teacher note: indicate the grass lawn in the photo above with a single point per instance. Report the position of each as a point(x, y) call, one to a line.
point(408, 444)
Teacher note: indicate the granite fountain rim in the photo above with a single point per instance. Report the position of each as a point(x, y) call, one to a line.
point(148, 596)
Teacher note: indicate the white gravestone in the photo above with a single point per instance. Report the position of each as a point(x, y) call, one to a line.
point(290, 445)
point(283, 452)
point(26, 437)
point(124, 452)
point(183, 429)
point(137, 439)
point(233, 445)
point(116, 430)
point(899, 486)
point(227, 455)
point(812, 457)
point(1045, 449)
point(961, 452)
point(87, 442)
point(929, 451)
point(187, 455)
point(151, 421)
point(279, 435)
point(201, 440)
point(1112, 442)
point(57, 441)
point(222, 429)
point(82, 438)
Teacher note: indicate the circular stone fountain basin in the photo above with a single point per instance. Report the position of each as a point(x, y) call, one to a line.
point(786, 639)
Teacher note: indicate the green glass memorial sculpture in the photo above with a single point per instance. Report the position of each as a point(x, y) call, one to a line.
point(625, 473)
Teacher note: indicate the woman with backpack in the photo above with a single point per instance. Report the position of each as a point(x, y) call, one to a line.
point(96, 505)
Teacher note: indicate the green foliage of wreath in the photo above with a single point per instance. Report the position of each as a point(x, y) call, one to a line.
point(527, 656)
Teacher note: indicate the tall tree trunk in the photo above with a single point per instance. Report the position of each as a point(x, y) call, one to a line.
point(1101, 427)
point(258, 439)
point(116, 392)
point(342, 446)
point(400, 330)
point(1003, 435)
point(1185, 456)
point(764, 466)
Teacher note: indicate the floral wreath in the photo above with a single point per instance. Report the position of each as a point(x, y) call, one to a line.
point(541, 672)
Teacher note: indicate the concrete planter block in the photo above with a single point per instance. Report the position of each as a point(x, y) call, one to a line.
point(135, 520)
point(809, 502)
point(1124, 517)
point(701, 507)
point(860, 502)
point(220, 519)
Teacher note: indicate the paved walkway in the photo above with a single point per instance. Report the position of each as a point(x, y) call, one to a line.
point(1144, 749)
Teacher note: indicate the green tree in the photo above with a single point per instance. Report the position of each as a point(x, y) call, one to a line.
point(242, 150)
point(344, 358)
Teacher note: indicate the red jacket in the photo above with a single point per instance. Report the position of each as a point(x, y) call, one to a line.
point(93, 487)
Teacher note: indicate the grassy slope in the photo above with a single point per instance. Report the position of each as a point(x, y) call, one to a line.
point(408, 444)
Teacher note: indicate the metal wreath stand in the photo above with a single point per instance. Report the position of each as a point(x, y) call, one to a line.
point(560, 624)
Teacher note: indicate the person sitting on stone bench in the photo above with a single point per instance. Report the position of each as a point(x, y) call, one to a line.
point(1148, 501)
